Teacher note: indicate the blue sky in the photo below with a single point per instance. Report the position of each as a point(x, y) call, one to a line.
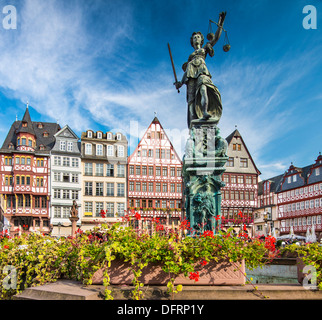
point(104, 65)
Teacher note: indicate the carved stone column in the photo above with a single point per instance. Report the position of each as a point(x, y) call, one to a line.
point(203, 166)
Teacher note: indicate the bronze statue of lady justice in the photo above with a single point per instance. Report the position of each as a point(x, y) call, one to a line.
point(203, 97)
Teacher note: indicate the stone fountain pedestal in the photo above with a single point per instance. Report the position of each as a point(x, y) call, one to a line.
point(203, 166)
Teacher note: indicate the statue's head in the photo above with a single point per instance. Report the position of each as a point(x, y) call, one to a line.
point(197, 36)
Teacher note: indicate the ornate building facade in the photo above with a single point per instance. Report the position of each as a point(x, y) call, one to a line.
point(104, 178)
point(299, 199)
point(266, 215)
point(25, 175)
point(66, 180)
point(241, 179)
point(154, 177)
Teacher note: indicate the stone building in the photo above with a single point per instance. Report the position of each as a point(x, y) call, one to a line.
point(66, 180)
point(154, 177)
point(25, 175)
point(241, 179)
point(104, 177)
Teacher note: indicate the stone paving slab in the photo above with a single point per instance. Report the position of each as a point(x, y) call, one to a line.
point(72, 290)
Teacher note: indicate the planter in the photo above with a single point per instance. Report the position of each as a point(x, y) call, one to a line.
point(213, 273)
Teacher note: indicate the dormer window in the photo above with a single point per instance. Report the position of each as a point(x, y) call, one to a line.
point(119, 136)
point(41, 147)
point(11, 146)
point(109, 136)
point(25, 124)
point(45, 134)
point(89, 134)
point(40, 125)
point(99, 135)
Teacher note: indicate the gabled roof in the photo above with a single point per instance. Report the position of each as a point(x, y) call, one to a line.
point(236, 133)
point(67, 128)
point(154, 121)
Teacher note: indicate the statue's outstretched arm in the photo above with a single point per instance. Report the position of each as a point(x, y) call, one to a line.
point(220, 24)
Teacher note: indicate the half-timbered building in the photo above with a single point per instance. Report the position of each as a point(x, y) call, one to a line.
point(299, 199)
point(25, 175)
point(239, 196)
point(154, 177)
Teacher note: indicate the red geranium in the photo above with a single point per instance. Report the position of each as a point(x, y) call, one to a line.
point(208, 233)
point(137, 216)
point(194, 276)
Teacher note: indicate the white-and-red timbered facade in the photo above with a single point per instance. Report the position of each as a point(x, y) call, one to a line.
point(299, 199)
point(25, 176)
point(154, 176)
point(241, 179)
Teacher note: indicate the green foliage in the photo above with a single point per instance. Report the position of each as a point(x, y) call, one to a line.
point(311, 255)
point(40, 259)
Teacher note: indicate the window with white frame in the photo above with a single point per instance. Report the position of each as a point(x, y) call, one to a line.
point(311, 203)
point(121, 170)
point(110, 151)
point(120, 208)
point(75, 162)
point(120, 151)
point(66, 211)
point(99, 135)
point(109, 136)
point(99, 169)
point(88, 148)
point(65, 194)
point(74, 178)
point(120, 190)
point(99, 149)
point(294, 178)
point(62, 146)
point(57, 194)
point(57, 176)
point(66, 161)
point(89, 134)
point(317, 171)
point(110, 170)
point(314, 220)
point(110, 209)
point(98, 208)
point(318, 220)
point(70, 146)
point(74, 194)
point(110, 189)
point(308, 220)
point(88, 169)
point(57, 160)
point(317, 203)
point(57, 212)
point(119, 136)
point(88, 207)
